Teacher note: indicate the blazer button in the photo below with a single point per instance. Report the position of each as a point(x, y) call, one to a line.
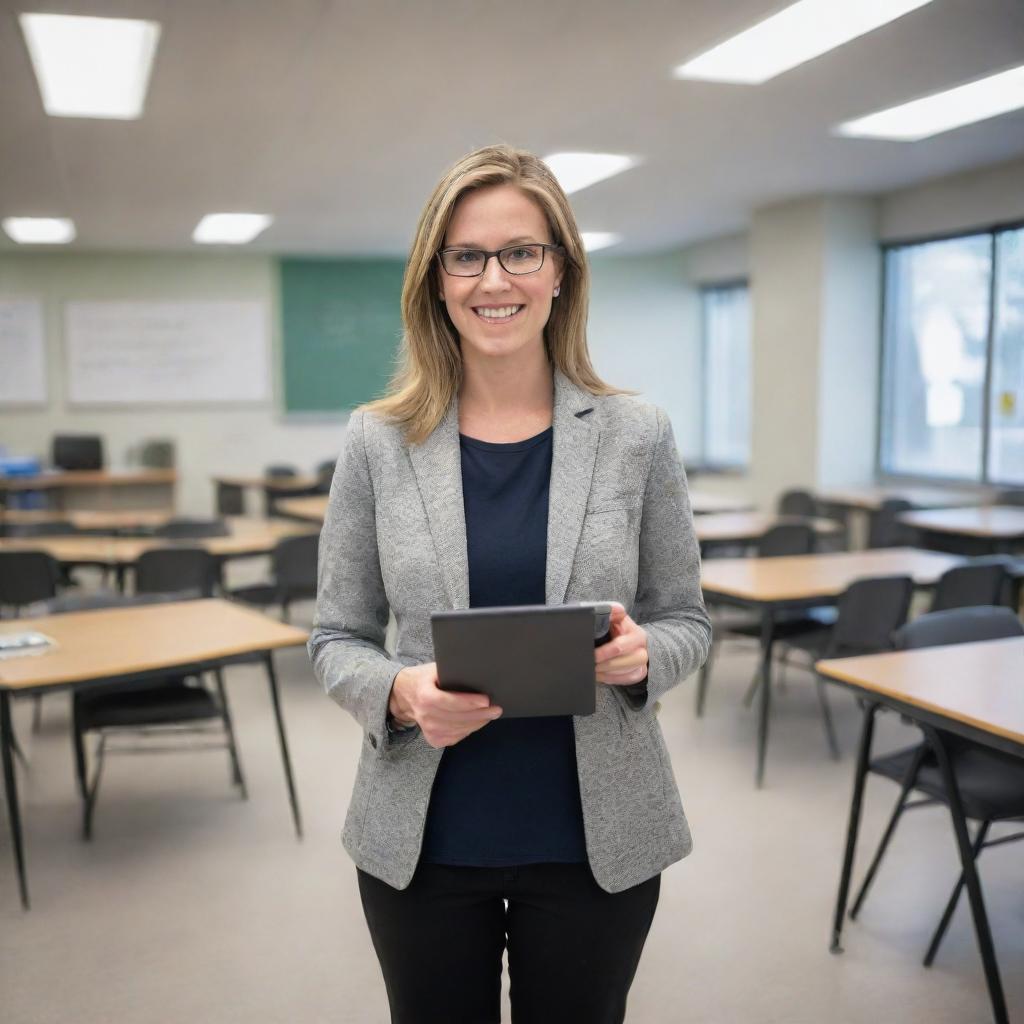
point(373, 741)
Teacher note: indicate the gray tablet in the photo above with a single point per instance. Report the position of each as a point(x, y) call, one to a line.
point(531, 660)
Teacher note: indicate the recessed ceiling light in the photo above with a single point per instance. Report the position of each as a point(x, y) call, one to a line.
point(91, 67)
point(576, 171)
point(798, 33)
point(594, 240)
point(230, 228)
point(39, 230)
point(943, 111)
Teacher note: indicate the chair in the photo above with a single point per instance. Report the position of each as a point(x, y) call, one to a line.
point(192, 529)
point(293, 570)
point(172, 706)
point(885, 530)
point(991, 784)
point(977, 583)
point(270, 494)
point(230, 499)
point(786, 539)
point(797, 503)
point(325, 474)
point(1015, 496)
point(157, 454)
point(49, 528)
point(77, 451)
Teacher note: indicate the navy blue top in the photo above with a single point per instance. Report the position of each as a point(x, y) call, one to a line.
point(508, 793)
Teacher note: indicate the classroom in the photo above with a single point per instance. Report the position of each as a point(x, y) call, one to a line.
point(794, 231)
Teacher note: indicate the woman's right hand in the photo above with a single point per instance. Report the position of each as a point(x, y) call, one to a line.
point(443, 717)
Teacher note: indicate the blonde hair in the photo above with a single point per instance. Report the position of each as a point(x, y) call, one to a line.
point(430, 367)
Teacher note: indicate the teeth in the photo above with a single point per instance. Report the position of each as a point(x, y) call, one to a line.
point(498, 314)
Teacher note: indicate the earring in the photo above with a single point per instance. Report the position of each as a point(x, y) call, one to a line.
point(557, 290)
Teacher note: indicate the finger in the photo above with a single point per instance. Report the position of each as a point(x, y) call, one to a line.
point(633, 675)
point(449, 700)
point(618, 611)
point(620, 645)
point(625, 662)
point(464, 720)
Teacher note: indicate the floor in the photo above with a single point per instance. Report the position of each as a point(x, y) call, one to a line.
point(193, 905)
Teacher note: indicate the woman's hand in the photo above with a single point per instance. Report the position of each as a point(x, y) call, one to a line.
point(444, 718)
point(623, 660)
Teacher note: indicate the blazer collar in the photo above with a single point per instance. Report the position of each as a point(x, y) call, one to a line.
point(437, 464)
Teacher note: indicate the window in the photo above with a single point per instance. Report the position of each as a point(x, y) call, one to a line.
point(725, 316)
point(953, 369)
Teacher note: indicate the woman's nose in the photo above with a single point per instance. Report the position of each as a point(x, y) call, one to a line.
point(494, 277)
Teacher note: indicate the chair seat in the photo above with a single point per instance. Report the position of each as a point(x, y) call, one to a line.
point(788, 625)
point(991, 784)
point(263, 594)
point(154, 705)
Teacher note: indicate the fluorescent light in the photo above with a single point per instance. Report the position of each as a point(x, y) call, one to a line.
point(230, 228)
point(576, 171)
point(91, 67)
point(39, 230)
point(798, 33)
point(594, 240)
point(943, 111)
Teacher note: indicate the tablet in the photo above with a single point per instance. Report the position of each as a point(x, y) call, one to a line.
point(531, 660)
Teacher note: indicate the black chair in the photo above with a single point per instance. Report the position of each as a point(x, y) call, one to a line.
point(157, 454)
point(77, 451)
point(786, 539)
point(325, 474)
point(230, 499)
point(1015, 496)
point(171, 706)
point(271, 494)
point(885, 530)
point(293, 570)
point(797, 503)
point(280, 472)
point(983, 582)
point(192, 529)
point(991, 783)
point(47, 528)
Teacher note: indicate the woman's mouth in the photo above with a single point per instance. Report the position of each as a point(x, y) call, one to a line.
point(498, 314)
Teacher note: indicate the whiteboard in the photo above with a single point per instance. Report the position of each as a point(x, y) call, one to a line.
point(22, 352)
point(167, 352)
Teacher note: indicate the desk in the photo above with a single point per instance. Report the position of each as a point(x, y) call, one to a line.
point(97, 520)
point(703, 503)
point(1000, 527)
point(971, 690)
point(128, 643)
point(747, 527)
point(869, 497)
point(313, 507)
point(97, 488)
point(771, 585)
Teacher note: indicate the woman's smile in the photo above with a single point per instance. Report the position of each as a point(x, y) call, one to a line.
point(499, 314)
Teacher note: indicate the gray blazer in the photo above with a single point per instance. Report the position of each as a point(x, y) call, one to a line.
point(619, 528)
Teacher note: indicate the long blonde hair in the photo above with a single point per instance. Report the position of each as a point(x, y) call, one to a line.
point(430, 367)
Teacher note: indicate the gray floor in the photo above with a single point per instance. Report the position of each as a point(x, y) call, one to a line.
point(191, 905)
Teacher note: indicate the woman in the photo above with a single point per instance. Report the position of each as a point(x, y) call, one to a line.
point(501, 470)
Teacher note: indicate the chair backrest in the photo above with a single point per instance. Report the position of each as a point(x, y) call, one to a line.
point(280, 471)
point(77, 451)
point(869, 612)
point(51, 528)
point(976, 583)
point(786, 539)
point(958, 626)
point(192, 529)
point(27, 577)
point(797, 503)
point(230, 500)
point(294, 561)
point(185, 571)
point(1011, 497)
point(885, 530)
point(325, 474)
point(157, 454)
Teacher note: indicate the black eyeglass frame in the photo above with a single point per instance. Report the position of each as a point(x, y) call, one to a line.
point(543, 246)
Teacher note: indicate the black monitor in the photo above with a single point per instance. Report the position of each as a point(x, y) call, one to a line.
point(78, 451)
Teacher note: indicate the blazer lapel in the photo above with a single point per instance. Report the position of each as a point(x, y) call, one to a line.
point(438, 467)
point(576, 435)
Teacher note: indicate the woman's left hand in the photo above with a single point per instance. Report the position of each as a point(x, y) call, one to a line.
point(622, 661)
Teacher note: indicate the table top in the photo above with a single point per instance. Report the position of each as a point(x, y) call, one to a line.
point(704, 503)
point(89, 478)
point(313, 507)
point(274, 483)
point(249, 536)
point(116, 642)
point(868, 497)
point(741, 526)
point(92, 519)
point(802, 577)
point(995, 522)
point(979, 684)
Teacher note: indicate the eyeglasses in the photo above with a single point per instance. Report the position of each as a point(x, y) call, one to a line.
point(514, 259)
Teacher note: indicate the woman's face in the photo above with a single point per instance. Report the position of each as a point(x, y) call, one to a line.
point(492, 218)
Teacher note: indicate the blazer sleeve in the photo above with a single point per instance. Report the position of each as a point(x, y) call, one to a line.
point(346, 645)
point(669, 604)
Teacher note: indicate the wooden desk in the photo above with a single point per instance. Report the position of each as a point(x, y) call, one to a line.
point(746, 527)
point(107, 521)
point(1000, 526)
point(971, 690)
point(99, 489)
point(771, 585)
point(704, 504)
point(869, 497)
point(283, 484)
point(313, 507)
point(131, 643)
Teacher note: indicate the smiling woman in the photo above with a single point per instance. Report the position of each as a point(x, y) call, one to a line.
point(502, 471)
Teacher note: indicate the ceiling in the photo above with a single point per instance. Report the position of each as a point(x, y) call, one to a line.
point(338, 117)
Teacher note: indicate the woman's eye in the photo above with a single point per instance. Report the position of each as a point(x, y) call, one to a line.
point(520, 254)
point(467, 256)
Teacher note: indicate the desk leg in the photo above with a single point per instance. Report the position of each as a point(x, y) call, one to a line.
point(971, 880)
point(283, 740)
point(853, 827)
point(765, 707)
point(11, 793)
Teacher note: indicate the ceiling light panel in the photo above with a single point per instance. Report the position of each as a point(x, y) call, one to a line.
point(230, 228)
point(594, 240)
point(39, 230)
point(576, 171)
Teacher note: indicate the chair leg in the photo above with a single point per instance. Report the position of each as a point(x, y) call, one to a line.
point(16, 748)
point(81, 767)
point(37, 712)
point(947, 914)
point(93, 790)
point(704, 679)
point(897, 812)
point(225, 712)
point(748, 697)
point(826, 714)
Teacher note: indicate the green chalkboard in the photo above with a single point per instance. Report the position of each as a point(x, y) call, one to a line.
point(341, 322)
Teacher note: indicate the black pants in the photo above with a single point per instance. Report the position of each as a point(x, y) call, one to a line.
point(573, 948)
